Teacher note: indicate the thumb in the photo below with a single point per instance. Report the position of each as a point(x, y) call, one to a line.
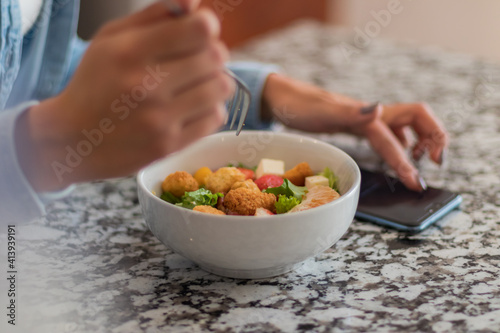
point(191, 5)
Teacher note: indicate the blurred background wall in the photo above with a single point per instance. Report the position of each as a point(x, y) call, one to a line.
point(458, 25)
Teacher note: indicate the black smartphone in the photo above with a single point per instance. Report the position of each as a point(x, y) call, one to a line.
point(385, 200)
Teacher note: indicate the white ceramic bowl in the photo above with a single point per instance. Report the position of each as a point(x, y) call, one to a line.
point(247, 246)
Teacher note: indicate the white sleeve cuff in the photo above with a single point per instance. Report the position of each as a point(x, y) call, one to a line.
point(48, 197)
point(19, 202)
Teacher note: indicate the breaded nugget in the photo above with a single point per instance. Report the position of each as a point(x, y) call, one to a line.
point(222, 179)
point(249, 184)
point(208, 210)
point(179, 182)
point(297, 175)
point(244, 201)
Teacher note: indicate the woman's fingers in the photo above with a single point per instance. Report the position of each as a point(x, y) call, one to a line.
point(403, 135)
point(186, 72)
point(389, 135)
point(149, 15)
point(432, 136)
point(174, 38)
point(205, 94)
point(387, 145)
point(163, 40)
point(205, 123)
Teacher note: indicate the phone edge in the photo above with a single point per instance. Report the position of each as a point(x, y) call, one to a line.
point(451, 205)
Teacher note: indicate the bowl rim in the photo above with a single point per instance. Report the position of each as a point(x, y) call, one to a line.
point(343, 197)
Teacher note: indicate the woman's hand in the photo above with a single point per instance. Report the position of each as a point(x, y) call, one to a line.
point(306, 107)
point(148, 85)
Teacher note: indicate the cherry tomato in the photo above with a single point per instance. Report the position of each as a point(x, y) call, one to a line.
point(268, 181)
point(249, 174)
point(263, 212)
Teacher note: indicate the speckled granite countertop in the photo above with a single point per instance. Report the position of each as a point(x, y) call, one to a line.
point(93, 266)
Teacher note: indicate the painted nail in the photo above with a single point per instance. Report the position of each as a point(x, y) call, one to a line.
point(369, 109)
point(174, 8)
point(443, 156)
point(417, 155)
point(422, 183)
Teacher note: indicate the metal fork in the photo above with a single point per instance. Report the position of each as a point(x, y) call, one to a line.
point(240, 102)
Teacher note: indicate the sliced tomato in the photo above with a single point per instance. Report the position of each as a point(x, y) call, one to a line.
point(268, 181)
point(249, 173)
point(263, 212)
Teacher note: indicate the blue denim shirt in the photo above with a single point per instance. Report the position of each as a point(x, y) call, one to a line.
point(39, 65)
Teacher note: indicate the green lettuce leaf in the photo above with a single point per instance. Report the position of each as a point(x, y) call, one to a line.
point(332, 179)
point(288, 189)
point(169, 197)
point(241, 165)
point(284, 204)
point(199, 197)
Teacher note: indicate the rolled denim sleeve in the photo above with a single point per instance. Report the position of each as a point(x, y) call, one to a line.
point(19, 203)
point(78, 48)
point(254, 75)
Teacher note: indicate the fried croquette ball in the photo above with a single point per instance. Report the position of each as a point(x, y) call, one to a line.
point(208, 210)
point(179, 182)
point(249, 184)
point(244, 201)
point(222, 179)
point(297, 175)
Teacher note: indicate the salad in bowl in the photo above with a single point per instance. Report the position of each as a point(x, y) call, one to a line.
point(256, 220)
point(265, 189)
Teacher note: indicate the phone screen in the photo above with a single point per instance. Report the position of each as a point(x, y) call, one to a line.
point(385, 200)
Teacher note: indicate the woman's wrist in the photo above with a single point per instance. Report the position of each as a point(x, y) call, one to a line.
point(266, 113)
point(307, 107)
point(279, 91)
point(296, 104)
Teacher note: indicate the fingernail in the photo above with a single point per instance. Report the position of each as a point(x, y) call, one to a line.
point(369, 109)
point(417, 155)
point(422, 182)
point(443, 155)
point(174, 8)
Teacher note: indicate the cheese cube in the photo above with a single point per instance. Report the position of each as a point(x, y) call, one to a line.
point(316, 180)
point(270, 167)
